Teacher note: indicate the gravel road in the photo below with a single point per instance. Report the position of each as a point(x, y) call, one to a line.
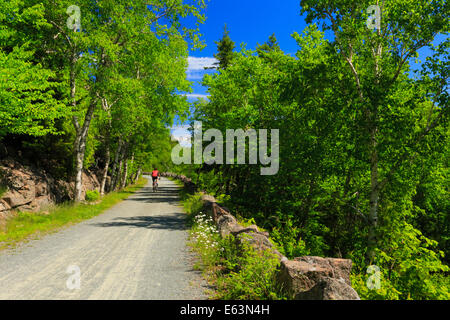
point(135, 250)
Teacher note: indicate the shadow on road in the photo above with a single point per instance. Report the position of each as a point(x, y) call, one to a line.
point(164, 194)
point(175, 221)
point(172, 222)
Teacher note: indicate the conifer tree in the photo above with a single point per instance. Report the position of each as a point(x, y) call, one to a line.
point(225, 49)
point(268, 46)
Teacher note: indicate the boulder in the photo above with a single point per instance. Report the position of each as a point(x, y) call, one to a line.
point(42, 202)
point(41, 188)
point(16, 199)
point(340, 268)
point(299, 276)
point(4, 206)
point(329, 289)
point(226, 224)
point(309, 278)
point(207, 198)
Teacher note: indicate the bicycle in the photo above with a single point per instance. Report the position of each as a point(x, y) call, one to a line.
point(155, 185)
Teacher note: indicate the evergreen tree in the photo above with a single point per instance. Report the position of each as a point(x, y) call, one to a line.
point(225, 49)
point(270, 45)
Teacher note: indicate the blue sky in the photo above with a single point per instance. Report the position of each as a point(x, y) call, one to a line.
point(250, 22)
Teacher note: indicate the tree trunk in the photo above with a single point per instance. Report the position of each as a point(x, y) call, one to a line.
point(138, 174)
point(107, 108)
point(105, 172)
point(80, 149)
point(123, 183)
point(131, 170)
point(227, 180)
point(123, 159)
point(117, 175)
point(114, 168)
point(78, 145)
point(374, 199)
point(81, 131)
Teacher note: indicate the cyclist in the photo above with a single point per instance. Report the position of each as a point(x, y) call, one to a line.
point(155, 176)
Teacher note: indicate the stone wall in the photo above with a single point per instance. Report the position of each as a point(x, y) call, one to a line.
point(30, 189)
point(305, 278)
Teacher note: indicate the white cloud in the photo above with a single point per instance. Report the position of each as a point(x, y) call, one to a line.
point(195, 75)
point(197, 64)
point(182, 135)
point(196, 96)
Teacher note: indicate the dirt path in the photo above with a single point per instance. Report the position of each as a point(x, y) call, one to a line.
point(135, 250)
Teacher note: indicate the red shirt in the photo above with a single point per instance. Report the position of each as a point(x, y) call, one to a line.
point(155, 173)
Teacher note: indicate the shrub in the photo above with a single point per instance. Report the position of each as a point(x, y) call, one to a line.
point(253, 277)
point(238, 271)
point(93, 195)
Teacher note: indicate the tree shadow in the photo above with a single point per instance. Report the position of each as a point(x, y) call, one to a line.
point(165, 194)
point(168, 195)
point(175, 221)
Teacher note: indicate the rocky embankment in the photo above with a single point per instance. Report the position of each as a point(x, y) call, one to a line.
point(26, 188)
point(305, 278)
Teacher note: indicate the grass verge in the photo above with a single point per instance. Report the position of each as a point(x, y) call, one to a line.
point(28, 226)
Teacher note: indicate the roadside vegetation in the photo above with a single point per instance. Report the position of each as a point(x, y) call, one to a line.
point(237, 272)
point(363, 142)
point(26, 226)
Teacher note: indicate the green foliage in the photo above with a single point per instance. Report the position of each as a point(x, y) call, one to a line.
point(222, 198)
point(92, 195)
point(420, 286)
point(238, 272)
point(270, 45)
point(386, 292)
point(363, 146)
point(27, 89)
point(410, 261)
point(192, 203)
point(288, 242)
point(108, 92)
point(254, 277)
